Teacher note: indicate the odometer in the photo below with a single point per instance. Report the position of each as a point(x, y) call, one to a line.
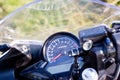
point(57, 46)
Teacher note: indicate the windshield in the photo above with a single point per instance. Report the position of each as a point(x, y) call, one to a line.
point(40, 19)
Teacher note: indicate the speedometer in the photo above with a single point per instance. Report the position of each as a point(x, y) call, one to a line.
point(58, 45)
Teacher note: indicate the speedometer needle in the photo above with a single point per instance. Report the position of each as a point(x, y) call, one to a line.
point(56, 57)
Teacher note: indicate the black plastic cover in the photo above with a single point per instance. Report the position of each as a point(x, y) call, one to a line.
point(116, 38)
point(37, 72)
point(94, 34)
point(116, 25)
point(11, 60)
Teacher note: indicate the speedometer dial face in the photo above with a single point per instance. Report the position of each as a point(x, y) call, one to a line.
point(57, 47)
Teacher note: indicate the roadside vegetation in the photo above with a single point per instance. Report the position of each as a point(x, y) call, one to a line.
point(40, 21)
point(7, 6)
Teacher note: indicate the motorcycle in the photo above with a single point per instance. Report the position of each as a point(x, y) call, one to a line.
point(61, 40)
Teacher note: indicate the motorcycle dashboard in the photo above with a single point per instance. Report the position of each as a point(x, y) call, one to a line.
point(56, 52)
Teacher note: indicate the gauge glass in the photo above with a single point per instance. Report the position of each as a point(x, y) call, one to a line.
point(58, 48)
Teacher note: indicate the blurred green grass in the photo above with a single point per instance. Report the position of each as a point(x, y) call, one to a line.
point(7, 6)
